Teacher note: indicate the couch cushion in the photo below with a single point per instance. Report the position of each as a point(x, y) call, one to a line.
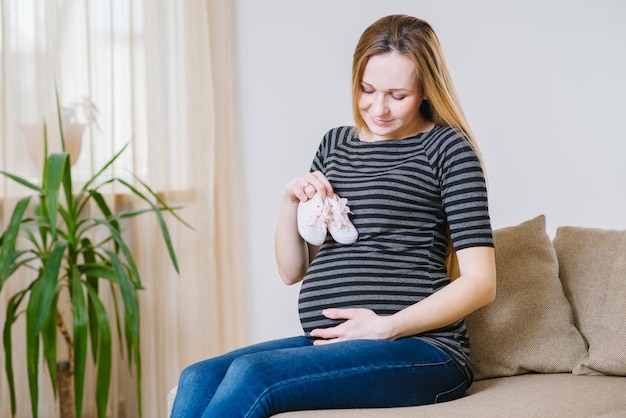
point(531, 395)
point(529, 327)
point(595, 283)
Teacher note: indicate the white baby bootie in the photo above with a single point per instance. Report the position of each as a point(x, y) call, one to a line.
point(339, 224)
point(313, 216)
point(317, 216)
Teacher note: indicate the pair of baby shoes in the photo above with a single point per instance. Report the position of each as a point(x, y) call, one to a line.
point(317, 216)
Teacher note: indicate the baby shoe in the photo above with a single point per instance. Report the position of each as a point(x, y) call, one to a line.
point(313, 216)
point(339, 224)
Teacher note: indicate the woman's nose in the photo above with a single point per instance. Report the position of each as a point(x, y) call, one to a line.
point(379, 105)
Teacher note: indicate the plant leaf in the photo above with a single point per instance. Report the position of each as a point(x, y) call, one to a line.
point(67, 170)
point(137, 212)
point(49, 334)
point(118, 325)
point(98, 270)
point(167, 207)
point(53, 176)
point(80, 331)
point(104, 167)
point(45, 143)
point(104, 208)
point(23, 182)
point(32, 345)
point(10, 237)
point(163, 225)
point(42, 223)
point(117, 237)
point(129, 294)
point(60, 117)
point(11, 317)
point(14, 265)
point(37, 248)
point(69, 194)
point(89, 257)
point(138, 380)
point(103, 379)
point(51, 272)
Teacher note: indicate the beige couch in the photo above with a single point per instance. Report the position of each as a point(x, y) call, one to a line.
point(553, 343)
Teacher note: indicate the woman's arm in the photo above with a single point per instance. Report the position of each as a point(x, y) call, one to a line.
point(292, 257)
point(293, 254)
point(476, 287)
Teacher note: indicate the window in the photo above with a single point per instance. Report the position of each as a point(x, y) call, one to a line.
point(93, 51)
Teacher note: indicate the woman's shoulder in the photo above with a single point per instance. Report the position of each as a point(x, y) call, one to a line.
point(443, 139)
point(337, 137)
point(341, 132)
point(446, 146)
point(444, 135)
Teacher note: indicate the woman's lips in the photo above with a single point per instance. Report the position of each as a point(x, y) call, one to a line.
point(378, 121)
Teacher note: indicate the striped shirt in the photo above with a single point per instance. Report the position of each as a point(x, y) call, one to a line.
point(405, 195)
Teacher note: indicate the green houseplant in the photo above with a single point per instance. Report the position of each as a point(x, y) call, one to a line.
point(59, 225)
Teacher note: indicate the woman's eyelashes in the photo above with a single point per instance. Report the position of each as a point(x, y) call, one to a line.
point(395, 96)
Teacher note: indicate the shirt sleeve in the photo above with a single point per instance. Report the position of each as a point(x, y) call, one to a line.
point(329, 141)
point(464, 194)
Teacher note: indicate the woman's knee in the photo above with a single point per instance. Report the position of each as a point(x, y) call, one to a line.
point(201, 374)
point(249, 368)
point(190, 375)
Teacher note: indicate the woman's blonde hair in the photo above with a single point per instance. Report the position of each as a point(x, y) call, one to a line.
point(415, 39)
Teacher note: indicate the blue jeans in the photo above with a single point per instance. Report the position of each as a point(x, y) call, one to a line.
point(292, 374)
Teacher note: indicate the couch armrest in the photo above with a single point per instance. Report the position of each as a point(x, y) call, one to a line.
point(170, 400)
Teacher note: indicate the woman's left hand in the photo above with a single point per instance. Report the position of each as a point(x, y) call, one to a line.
point(360, 324)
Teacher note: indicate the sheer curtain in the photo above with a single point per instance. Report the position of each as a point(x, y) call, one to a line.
point(159, 74)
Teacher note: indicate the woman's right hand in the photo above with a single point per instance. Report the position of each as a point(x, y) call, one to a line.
point(293, 254)
point(305, 187)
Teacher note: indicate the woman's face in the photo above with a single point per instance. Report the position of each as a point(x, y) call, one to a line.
point(390, 98)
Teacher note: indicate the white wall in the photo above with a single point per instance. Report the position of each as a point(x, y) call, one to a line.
point(542, 82)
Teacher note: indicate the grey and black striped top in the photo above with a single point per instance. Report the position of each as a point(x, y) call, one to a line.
point(405, 195)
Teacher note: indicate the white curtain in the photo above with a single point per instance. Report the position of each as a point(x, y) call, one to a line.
point(159, 73)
